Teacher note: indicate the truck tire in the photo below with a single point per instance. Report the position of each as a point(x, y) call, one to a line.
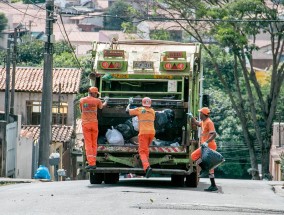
point(191, 180)
point(111, 178)
point(96, 178)
point(177, 180)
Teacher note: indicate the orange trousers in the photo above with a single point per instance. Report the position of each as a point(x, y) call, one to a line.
point(90, 132)
point(145, 141)
point(195, 155)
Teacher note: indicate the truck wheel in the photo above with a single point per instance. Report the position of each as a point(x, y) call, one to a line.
point(111, 178)
point(177, 180)
point(191, 180)
point(96, 178)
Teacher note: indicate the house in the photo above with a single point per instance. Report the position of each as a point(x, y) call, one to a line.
point(28, 94)
point(145, 29)
point(262, 57)
point(27, 151)
point(277, 152)
point(27, 106)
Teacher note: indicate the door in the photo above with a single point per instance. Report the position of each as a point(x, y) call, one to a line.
point(11, 135)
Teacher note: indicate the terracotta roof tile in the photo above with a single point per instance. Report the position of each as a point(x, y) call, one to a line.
point(29, 79)
point(59, 133)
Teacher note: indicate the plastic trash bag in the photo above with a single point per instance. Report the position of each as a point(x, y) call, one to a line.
point(102, 140)
point(210, 158)
point(164, 120)
point(42, 173)
point(158, 142)
point(127, 129)
point(114, 137)
point(135, 123)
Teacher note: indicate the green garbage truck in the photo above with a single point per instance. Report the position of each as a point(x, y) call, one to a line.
point(170, 73)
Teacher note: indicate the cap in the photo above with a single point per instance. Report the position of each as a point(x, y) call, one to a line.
point(205, 110)
point(94, 90)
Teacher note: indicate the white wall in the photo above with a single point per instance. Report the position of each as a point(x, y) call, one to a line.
point(24, 158)
point(21, 98)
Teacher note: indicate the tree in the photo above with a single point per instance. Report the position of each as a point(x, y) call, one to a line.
point(30, 53)
point(115, 12)
point(3, 22)
point(229, 132)
point(160, 35)
point(231, 24)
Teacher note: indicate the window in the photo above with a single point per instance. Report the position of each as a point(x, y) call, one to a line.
point(59, 113)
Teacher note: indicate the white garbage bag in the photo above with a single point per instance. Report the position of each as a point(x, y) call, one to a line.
point(114, 137)
point(135, 123)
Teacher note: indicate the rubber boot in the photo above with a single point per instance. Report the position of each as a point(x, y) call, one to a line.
point(202, 166)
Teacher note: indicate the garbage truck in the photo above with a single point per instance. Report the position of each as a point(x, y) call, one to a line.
point(170, 73)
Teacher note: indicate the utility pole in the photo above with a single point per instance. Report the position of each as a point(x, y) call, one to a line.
point(46, 101)
point(14, 72)
point(7, 88)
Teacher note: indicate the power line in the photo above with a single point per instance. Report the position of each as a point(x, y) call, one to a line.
point(175, 19)
point(74, 55)
point(22, 11)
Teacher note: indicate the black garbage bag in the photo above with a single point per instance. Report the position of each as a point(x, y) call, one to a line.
point(102, 140)
point(163, 120)
point(210, 158)
point(125, 130)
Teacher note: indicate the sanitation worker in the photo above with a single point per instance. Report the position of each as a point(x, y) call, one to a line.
point(207, 137)
point(146, 118)
point(89, 106)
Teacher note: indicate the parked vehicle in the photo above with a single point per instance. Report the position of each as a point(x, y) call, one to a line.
point(170, 74)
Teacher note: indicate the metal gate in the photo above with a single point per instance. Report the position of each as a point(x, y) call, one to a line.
point(11, 135)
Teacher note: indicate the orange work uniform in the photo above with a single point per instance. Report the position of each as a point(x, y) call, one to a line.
point(146, 118)
point(207, 127)
point(89, 106)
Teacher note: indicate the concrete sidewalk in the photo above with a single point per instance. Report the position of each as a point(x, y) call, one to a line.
point(15, 180)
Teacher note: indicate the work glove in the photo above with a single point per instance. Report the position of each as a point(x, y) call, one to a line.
point(106, 98)
point(189, 115)
point(205, 144)
point(130, 100)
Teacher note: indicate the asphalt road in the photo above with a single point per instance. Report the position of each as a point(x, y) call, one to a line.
point(141, 196)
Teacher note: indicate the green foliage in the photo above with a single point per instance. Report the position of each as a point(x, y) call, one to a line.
point(3, 22)
point(128, 27)
point(62, 47)
point(64, 59)
point(225, 61)
point(2, 57)
point(160, 35)
point(30, 53)
point(229, 139)
point(118, 9)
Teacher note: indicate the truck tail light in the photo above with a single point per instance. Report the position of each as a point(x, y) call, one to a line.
point(111, 64)
point(177, 66)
